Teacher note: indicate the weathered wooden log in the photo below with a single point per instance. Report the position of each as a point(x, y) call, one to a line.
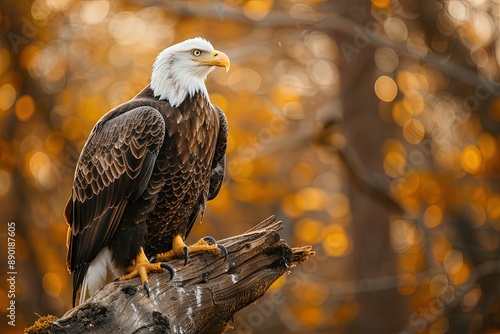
point(202, 297)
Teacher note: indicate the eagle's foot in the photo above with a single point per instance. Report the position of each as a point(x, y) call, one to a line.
point(142, 267)
point(207, 245)
point(213, 242)
point(181, 250)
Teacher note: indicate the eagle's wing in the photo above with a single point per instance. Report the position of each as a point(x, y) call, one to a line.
point(114, 168)
point(219, 162)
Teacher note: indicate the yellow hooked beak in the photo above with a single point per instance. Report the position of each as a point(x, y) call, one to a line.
point(218, 58)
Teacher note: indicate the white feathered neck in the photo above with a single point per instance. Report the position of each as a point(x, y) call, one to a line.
point(176, 76)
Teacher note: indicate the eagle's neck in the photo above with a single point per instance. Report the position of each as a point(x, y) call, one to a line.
point(176, 83)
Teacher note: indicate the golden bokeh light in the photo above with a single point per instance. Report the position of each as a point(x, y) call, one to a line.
point(386, 59)
point(5, 182)
point(249, 192)
point(339, 205)
point(403, 235)
point(471, 159)
point(47, 176)
point(439, 43)
point(244, 79)
point(457, 10)
point(440, 326)
point(430, 190)
point(127, 28)
point(289, 206)
point(437, 283)
point(28, 57)
point(413, 131)
point(311, 199)
point(257, 9)
point(381, 3)
point(7, 96)
point(223, 201)
point(440, 247)
point(493, 208)
point(310, 316)
point(414, 102)
point(394, 145)
point(309, 230)
point(4, 60)
point(72, 128)
point(303, 174)
point(453, 261)
point(386, 89)
point(55, 142)
point(396, 29)
point(487, 145)
point(471, 299)
point(407, 81)
point(394, 164)
point(412, 260)
point(336, 241)
point(433, 216)
point(323, 72)
point(293, 110)
point(401, 113)
point(483, 28)
point(412, 205)
point(313, 293)
point(462, 275)
point(52, 284)
point(25, 108)
point(93, 12)
point(37, 161)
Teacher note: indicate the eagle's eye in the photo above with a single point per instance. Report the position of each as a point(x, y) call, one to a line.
point(196, 52)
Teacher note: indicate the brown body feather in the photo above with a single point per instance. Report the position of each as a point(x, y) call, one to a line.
point(143, 176)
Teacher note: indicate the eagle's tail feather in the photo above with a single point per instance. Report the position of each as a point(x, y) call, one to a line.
point(101, 271)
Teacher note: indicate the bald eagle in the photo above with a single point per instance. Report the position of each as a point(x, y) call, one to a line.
point(146, 172)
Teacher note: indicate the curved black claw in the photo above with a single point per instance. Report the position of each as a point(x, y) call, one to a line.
point(186, 254)
point(224, 250)
point(152, 259)
point(146, 287)
point(210, 240)
point(169, 269)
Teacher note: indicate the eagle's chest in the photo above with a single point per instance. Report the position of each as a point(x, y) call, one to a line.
point(183, 167)
point(190, 141)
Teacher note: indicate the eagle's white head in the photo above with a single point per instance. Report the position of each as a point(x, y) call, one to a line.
point(181, 69)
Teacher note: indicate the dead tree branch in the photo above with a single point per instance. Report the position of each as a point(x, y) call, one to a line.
point(202, 297)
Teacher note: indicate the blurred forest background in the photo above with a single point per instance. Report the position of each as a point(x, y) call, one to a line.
point(371, 128)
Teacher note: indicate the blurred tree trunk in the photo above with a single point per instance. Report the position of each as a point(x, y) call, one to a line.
point(365, 133)
point(20, 32)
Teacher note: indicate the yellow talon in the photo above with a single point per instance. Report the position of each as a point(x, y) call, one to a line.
point(142, 267)
point(181, 250)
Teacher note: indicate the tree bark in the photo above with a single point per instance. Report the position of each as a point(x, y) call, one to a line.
point(202, 296)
